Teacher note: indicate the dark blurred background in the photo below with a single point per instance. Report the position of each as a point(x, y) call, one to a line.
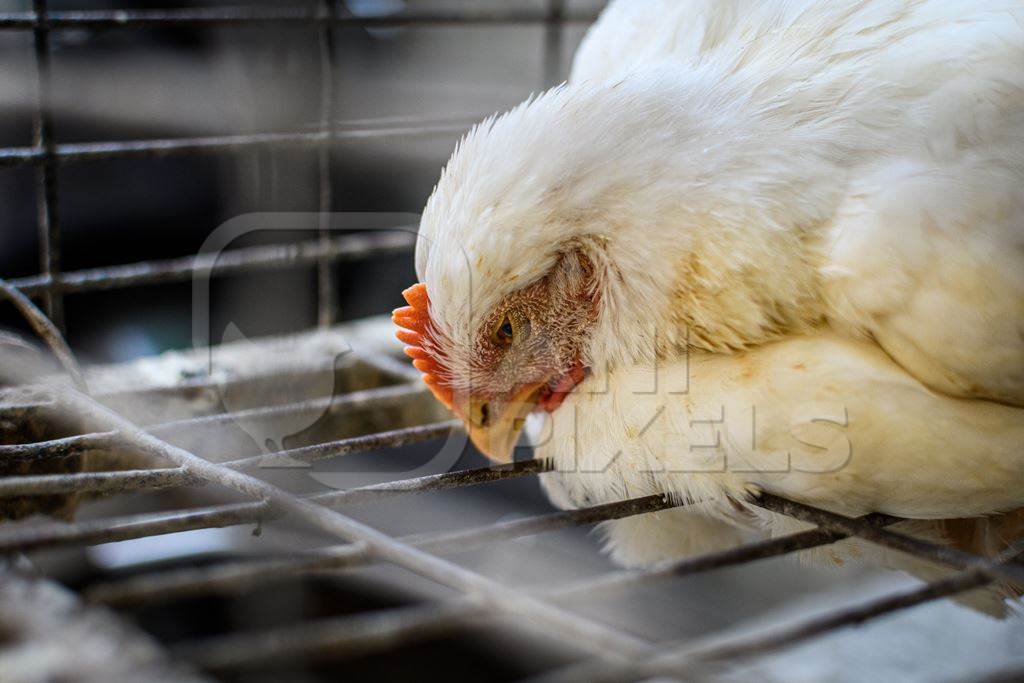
point(143, 83)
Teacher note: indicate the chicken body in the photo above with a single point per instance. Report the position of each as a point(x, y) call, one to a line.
point(918, 281)
point(800, 226)
point(900, 199)
point(827, 420)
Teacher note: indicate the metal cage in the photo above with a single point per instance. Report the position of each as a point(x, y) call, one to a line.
point(603, 651)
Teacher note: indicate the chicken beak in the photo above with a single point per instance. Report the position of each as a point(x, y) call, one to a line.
point(493, 425)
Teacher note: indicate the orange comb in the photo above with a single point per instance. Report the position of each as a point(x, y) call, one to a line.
point(414, 321)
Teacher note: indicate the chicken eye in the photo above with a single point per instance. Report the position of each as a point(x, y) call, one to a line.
point(504, 333)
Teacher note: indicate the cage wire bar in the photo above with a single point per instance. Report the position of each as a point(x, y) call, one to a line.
point(616, 655)
point(326, 298)
point(214, 16)
point(46, 170)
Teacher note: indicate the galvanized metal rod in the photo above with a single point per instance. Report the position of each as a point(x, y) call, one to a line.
point(688, 659)
point(219, 16)
point(600, 639)
point(76, 445)
point(378, 396)
point(327, 298)
point(528, 526)
point(236, 576)
point(56, 449)
point(132, 480)
point(375, 397)
point(95, 482)
point(55, 533)
point(242, 260)
point(190, 387)
point(46, 171)
point(47, 330)
point(603, 587)
point(431, 482)
point(785, 636)
point(355, 444)
point(945, 555)
point(239, 576)
point(242, 576)
point(346, 637)
point(93, 151)
point(386, 630)
point(95, 531)
point(553, 621)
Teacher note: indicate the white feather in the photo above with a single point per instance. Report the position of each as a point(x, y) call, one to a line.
point(824, 201)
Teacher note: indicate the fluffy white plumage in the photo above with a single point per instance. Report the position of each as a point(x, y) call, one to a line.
point(806, 218)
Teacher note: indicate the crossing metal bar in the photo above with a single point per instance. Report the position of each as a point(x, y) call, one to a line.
point(220, 16)
point(327, 299)
point(47, 330)
point(46, 170)
point(95, 482)
point(234, 576)
point(571, 628)
point(951, 557)
point(154, 148)
point(77, 445)
point(110, 530)
point(690, 659)
point(346, 636)
point(241, 260)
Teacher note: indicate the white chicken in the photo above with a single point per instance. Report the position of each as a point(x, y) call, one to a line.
point(751, 245)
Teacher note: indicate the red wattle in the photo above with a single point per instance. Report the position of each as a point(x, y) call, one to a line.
point(553, 397)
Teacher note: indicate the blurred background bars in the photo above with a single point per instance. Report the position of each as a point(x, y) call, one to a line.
point(243, 86)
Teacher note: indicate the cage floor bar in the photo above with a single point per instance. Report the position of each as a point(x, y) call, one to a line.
point(691, 659)
point(602, 640)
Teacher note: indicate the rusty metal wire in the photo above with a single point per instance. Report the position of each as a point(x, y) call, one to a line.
point(65, 447)
point(571, 628)
point(154, 524)
point(377, 397)
point(47, 331)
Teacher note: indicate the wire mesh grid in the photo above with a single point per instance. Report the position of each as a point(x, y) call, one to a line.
point(613, 654)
